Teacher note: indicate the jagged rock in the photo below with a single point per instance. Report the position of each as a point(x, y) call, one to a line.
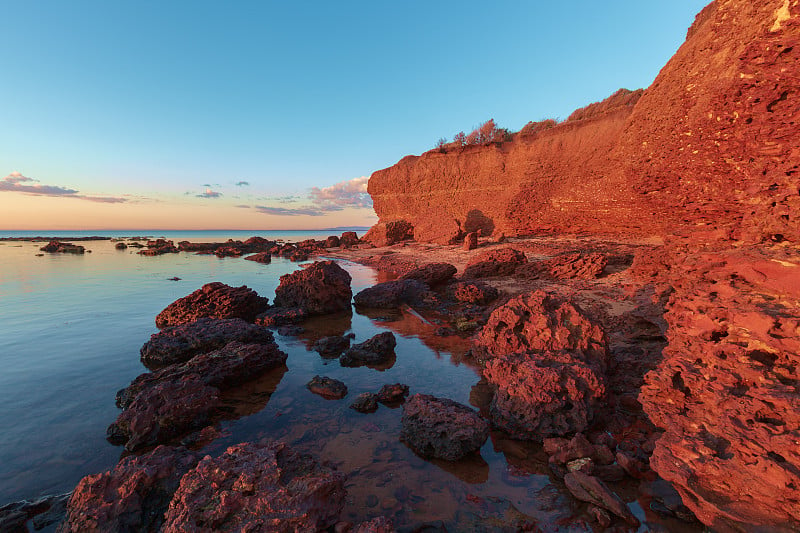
point(442, 428)
point(349, 239)
point(281, 316)
point(432, 274)
point(177, 344)
point(375, 351)
point(159, 247)
point(44, 511)
point(58, 247)
point(261, 257)
point(165, 411)
point(537, 321)
point(229, 366)
point(328, 388)
point(393, 394)
point(213, 300)
point(366, 402)
point(131, 497)
point(590, 489)
point(392, 294)
point(471, 240)
point(332, 346)
point(473, 292)
point(332, 242)
point(495, 262)
point(544, 394)
point(257, 487)
point(577, 266)
point(381, 524)
point(320, 288)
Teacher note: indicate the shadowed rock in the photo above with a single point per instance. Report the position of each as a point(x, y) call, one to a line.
point(496, 262)
point(432, 274)
point(374, 351)
point(393, 294)
point(320, 288)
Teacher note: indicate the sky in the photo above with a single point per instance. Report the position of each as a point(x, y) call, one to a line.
point(272, 115)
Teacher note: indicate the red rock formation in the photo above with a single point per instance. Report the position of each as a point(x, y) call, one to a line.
point(257, 487)
point(433, 273)
point(388, 233)
point(213, 300)
point(442, 428)
point(495, 262)
point(320, 288)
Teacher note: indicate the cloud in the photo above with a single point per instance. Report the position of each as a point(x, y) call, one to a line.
point(242, 206)
point(284, 211)
point(16, 182)
point(242, 183)
point(351, 193)
point(209, 194)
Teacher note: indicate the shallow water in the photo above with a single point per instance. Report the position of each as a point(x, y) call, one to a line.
point(70, 332)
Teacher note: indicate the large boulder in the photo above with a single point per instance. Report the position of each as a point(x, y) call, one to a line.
point(177, 344)
point(433, 273)
point(349, 239)
point(441, 428)
point(544, 394)
point(257, 487)
point(130, 498)
point(495, 262)
point(538, 321)
point(393, 294)
point(320, 288)
point(213, 300)
point(388, 233)
point(233, 364)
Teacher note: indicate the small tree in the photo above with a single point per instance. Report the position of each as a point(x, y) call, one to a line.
point(440, 143)
point(460, 138)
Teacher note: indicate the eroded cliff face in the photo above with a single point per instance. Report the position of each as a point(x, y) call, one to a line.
point(712, 142)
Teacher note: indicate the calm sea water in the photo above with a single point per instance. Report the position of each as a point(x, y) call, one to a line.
point(70, 332)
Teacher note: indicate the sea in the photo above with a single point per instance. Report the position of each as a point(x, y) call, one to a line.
point(71, 327)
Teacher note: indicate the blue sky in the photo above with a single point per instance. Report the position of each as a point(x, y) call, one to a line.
point(166, 101)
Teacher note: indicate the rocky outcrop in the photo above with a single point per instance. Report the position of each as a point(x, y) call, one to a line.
point(177, 344)
point(393, 294)
point(726, 393)
point(496, 262)
point(319, 288)
point(131, 497)
point(213, 300)
point(442, 428)
point(388, 233)
point(58, 247)
point(374, 351)
point(257, 487)
point(473, 292)
point(432, 274)
point(264, 258)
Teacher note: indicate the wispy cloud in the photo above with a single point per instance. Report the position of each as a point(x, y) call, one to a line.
point(286, 211)
point(242, 183)
point(350, 193)
point(209, 194)
point(16, 182)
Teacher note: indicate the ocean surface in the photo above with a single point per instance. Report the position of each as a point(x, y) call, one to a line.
point(71, 327)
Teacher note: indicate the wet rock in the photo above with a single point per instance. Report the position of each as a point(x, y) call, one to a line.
point(473, 292)
point(374, 351)
point(590, 489)
point(543, 395)
point(388, 233)
point(332, 242)
point(229, 366)
point(159, 247)
point(441, 428)
point(264, 258)
point(495, 262)
point(121, 246)
point(577, 266)
point(538, 321)
point(281, 316)
point(178, 344)
point(366, 402)
point(131, 497)
point(164, 412)
point(228, 251)
point(332, 346)
point(257, 487)
point(328, 388)
point(600, 515)
point(320, 288)
point(471, 240)
point(213, 300)
point(393, 394)
point(349, 239)
point(44, 511)
point(393, 294)
point(432, 274)
point(291, 330)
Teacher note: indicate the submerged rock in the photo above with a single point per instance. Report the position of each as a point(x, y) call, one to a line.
point(213, 300)
point(320, 288)
point(131, 497)
point(281, 316)
point(366, 402)
point(178, 344)
point(442, 428)
point(328, 388)
point(393, 394)
point(262, 257)
point(332, 346)
point(257, 487)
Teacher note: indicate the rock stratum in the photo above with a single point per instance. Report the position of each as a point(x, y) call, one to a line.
point(711, 142)
point(706, 158)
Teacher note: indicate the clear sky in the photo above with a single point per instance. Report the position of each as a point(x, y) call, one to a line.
point(272, 115)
